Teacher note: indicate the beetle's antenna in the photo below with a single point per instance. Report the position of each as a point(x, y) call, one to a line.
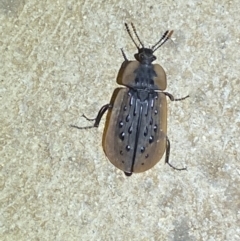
point(135, 31)
point(129, 33)
point(166, 36)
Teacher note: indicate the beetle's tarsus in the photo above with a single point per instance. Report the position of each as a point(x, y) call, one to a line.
point(82, 128)
point(183, 98)
point(89, 119)
point(178, 169)
point(167, 157)
point(171, 97)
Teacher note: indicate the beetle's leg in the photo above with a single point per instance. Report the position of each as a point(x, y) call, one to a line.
point(183, 98)
point(167, 157)
point(171, 97)
point(89, 119)
point(97, 119)
point(124, 55)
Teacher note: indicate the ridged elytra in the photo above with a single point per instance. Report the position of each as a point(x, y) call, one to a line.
point(135, 137)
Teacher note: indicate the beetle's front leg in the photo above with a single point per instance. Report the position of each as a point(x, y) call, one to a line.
point(171, 97)
point(124, 55)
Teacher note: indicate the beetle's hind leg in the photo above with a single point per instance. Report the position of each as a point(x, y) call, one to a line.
point(167, 157)
point(97, 119)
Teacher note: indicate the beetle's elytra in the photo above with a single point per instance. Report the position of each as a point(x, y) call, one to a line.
point(135, 137)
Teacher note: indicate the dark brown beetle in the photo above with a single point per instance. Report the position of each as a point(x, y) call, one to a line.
point(135, 137)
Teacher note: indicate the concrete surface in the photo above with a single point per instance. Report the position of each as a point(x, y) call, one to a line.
point(59, 59)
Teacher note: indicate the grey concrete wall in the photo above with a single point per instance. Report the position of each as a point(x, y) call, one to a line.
point(59, 59)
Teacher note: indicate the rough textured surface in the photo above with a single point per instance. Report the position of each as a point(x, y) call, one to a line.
point(59, 59)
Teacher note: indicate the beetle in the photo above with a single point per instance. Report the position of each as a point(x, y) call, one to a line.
point(135, 135)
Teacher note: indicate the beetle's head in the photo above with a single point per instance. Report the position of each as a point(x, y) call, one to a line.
point(145, 56)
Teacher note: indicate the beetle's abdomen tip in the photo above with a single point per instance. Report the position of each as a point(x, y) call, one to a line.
point(128, 174)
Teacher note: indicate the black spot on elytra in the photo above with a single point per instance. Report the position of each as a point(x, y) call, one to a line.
point(145, 131)
point(122, 135)
point(142, 149)
point(151, 121)
point(146, 156)
point(127, 118)
point(130, 129)
point(120, 124)
point(128, 148)
point(151, 139)
point(155, 128)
